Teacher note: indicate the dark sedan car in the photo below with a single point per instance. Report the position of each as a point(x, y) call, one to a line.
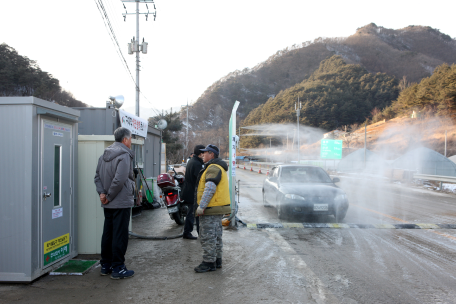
point(305, 190)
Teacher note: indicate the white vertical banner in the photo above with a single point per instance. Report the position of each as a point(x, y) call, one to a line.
point(233, 155)
point(232, 149)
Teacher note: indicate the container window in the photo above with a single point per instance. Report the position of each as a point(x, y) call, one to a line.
point(57, 174)
point(138, 152)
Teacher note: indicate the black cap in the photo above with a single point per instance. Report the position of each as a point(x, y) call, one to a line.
point(197, 149)
point(211, 148)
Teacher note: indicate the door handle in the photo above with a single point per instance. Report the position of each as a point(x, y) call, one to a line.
point(46, 195)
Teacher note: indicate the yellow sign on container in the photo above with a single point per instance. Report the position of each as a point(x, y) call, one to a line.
point(56, 243)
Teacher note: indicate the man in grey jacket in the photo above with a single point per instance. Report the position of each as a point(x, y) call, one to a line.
point(115, 184)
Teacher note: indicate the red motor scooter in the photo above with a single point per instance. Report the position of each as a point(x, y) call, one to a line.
point(171, 186)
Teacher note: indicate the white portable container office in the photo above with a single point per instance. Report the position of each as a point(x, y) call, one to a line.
point(38, 175)
point(91, 216)
point(104, 121)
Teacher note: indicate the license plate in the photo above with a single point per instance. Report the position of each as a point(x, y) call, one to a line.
point(320, 207)
point(173, 209)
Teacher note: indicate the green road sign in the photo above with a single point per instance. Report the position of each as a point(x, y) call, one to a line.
point(331, 149)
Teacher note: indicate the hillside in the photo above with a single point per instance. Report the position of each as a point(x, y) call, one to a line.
point(335, 94)
point(20, 76)
point(430, 104)
point(413, 52)
point(392, 138)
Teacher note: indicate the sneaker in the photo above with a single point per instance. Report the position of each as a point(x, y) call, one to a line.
point(205, 267)
point(121, 272)
point(106, 269)
point(218, 263)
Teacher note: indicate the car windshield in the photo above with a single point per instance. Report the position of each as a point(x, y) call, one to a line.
point(304, 175)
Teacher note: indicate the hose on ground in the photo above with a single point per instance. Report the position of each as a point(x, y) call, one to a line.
point(233, 214)
point(158, 238)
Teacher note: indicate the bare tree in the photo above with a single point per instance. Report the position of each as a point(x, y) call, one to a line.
point(354, 127)
point(403, 83)
point(347, 139)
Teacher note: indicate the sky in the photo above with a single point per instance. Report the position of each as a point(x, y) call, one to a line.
point(192, 44)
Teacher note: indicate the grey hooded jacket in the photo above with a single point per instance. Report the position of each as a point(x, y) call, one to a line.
point(114, 176)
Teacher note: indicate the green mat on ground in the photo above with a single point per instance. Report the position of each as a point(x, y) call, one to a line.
point(74, 267)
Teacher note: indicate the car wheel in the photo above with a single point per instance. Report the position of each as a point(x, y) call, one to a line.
point(340, 215)
point(265, 204)
point(280, 211)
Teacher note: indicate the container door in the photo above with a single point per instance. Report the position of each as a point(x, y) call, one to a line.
point(56, 182)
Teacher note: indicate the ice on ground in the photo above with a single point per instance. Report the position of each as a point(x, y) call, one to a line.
point(449, 187)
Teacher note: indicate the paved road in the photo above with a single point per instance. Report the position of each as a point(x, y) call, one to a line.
point(284, 265)
point(373, 265)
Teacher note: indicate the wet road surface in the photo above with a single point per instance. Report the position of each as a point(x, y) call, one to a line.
point(284, 265)
point(372, 265)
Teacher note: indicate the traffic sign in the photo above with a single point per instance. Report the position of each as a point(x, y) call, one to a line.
point(331, 149)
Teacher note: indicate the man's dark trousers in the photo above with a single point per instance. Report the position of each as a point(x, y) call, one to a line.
point(190, 221)
point(114, 241)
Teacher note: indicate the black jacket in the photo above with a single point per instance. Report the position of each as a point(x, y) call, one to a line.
point(194, 166)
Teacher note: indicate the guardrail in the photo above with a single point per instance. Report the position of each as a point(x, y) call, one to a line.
point(437, 178)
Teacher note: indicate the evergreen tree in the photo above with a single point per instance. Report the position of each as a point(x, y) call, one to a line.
point(20, 76)
point(170, 135)
point(434, 95)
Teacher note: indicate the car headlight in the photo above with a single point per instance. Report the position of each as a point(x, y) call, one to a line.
point(295, 197)
point(340, 197)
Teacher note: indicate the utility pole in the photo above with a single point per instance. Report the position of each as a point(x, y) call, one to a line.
point(239, 145)
point(365, 144)
point(298, 114)
point(287, 140)
point(134, 46)
point(186, 136)
point(445, 143)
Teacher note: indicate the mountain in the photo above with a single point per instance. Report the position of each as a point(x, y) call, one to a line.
point(335, 94)
point(413, 52)
point(409, 54)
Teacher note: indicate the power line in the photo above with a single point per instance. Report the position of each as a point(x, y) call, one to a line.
point(112, 35)
point(109, 27)
point(112, 12)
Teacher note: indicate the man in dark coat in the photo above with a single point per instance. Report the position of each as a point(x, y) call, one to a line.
point(194, 166)
point(115, 183)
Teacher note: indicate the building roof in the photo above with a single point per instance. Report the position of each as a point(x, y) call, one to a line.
point(426, 161)
point(354, 162)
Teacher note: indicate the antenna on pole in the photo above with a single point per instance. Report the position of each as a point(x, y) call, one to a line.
point(134, 46)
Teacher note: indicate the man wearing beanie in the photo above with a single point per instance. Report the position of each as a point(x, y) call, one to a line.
point(213, 199)
point(194, 166)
